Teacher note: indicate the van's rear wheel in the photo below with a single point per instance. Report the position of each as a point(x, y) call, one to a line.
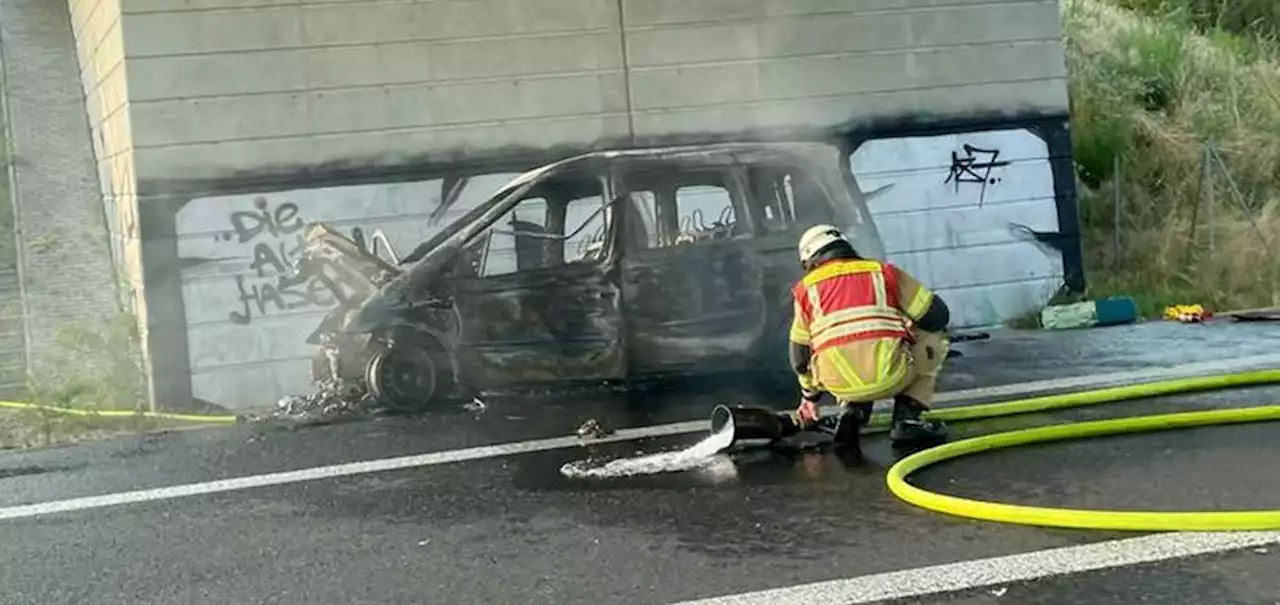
point(406, 375)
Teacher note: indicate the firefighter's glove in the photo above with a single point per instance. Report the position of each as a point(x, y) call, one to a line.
point(807, 412)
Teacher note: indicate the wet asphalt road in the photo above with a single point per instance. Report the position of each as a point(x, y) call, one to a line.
point(512, 530)
point(1238, 578)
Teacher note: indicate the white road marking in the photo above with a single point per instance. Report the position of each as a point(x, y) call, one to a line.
point(540, 445)
point(979, 573)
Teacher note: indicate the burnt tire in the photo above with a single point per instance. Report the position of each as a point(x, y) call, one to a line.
point(408, 375)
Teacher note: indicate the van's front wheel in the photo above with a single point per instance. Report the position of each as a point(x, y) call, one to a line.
point(406, 374)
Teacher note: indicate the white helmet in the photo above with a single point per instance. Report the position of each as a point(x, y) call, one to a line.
point(817, 238)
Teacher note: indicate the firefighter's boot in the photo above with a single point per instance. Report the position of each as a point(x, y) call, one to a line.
point(847, 438)
point(910, 428)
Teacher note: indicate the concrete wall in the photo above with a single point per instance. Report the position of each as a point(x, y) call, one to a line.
point(67, 276)
point(254, 86)
point(353, 112)
point(103, 78)
point(13, 353)
point(713, 66)
point(219, 86)
point(954, 210)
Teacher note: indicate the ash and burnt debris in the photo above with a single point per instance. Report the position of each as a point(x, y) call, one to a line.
point(332, 398)
point(330, 401)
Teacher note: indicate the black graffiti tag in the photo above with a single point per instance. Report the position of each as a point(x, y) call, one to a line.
point(283, 221)
point(272, 260)
point(968, 168)
point(277, 258)
point(286, 293)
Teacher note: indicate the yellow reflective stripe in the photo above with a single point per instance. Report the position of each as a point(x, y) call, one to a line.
point(873, 390)
point(799, 331)
point(920, 302)
point(855, 314)
point(807, 382)
point(837, 269)
point(899, 372)
point(885, 350)
point(867, 325)
point(799, 334)
point(877, 279)
point(845, 369)
point(850, 329)
point(814, 301)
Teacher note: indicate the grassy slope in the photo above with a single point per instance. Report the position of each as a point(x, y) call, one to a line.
point(21, 429)
point(1152, 86)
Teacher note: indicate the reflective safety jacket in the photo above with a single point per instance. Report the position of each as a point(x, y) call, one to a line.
point(855, 315)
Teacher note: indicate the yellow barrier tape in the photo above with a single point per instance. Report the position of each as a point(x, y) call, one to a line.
point(218, 419)
point(1084, 518)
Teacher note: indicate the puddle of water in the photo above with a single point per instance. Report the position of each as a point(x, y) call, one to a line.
point(704, 454)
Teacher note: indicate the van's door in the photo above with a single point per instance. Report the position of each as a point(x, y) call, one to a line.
point(691, 286)
point(543, 303)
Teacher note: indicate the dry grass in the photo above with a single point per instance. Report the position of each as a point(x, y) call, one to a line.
point(99, 368)
point(1154, 93)
point(21, 429)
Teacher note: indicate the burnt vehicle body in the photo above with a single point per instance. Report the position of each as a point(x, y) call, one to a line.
point(608, 266)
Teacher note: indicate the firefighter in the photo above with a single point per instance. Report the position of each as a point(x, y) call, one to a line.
point(864, 330)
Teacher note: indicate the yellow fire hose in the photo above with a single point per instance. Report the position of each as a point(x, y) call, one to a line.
point(215, 419)
point(1083, 518)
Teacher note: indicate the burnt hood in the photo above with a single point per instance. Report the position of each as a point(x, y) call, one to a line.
point(374, 293)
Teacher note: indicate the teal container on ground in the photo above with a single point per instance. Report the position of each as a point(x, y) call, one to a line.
point(1116, 310)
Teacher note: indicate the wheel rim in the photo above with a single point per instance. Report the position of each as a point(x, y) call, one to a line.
point(403, 377)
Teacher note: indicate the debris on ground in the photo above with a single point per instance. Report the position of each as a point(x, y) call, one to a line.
point(1262, 314)
point(475, 406)
point(330, 402)
point(1186, 313)
point(592, 429)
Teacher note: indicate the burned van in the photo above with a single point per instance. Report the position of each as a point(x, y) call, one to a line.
point(608, 266)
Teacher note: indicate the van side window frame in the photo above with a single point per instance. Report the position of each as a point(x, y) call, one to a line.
point(555, 209)
point(767, 183)
point(639, 179)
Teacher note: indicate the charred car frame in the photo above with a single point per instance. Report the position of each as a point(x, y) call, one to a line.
point(607, 266)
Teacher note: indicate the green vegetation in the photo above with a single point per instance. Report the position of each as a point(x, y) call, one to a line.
point(27, 428)
point(1154, 83)
point(99, 367)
